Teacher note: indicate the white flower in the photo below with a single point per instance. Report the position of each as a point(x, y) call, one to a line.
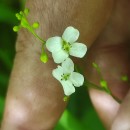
point(62, 47)
point(67, 77)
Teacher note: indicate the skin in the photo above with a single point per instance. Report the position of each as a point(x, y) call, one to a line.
point(32, 102)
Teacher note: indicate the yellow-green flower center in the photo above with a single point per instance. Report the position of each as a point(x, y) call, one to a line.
point(66, 46)
point(65, 77)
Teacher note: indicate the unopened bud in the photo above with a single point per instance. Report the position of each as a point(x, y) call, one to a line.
point(24, 23)
point(103, 83)
point(21, 13)
point(35, 25)
point(44, 57)
point(19, 17)
point(124, 78)
point(26, 11)
point(16, 28)
point(65, 99)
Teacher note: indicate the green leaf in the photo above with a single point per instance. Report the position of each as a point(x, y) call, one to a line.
point(4, 57)
point(69, 122)
point(91, 120)
point(2, 102)
point(3, 79)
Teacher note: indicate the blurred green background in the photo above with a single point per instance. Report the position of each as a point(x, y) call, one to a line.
point(79, 115)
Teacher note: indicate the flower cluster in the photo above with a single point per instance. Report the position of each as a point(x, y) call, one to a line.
point(22, 17)
point(67, 77)
point(61, 48)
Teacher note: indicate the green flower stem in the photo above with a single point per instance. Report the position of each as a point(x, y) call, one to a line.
point(97, 69)
point(38, 37)
point(117, 99)
point(22, 16)
point(24, 23)
point(89, 84)
point(32, 31)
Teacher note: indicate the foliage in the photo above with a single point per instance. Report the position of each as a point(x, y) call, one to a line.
point(79, 114)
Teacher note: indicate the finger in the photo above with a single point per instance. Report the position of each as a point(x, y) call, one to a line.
point(111, 53)
point(113, 67)
point(112, 71)
point(34, 99)
point(122, 120)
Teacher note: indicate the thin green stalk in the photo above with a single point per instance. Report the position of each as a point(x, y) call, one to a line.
point(32, 31)
point(92, 85)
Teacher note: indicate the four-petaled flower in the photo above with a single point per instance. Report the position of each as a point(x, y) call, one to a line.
point(67, 77)
point(62, 47)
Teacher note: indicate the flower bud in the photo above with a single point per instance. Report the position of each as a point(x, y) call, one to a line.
point(124, 78)
point(65, 99)
point(44, 57)
point(103, 83)
point(24, 23)
point(35, 25)
point(21, 13)
point(16, 28)
point(19, 17)
point(26, 11)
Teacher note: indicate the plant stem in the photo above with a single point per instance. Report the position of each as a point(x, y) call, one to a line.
point(32, 31)
point(89, 84)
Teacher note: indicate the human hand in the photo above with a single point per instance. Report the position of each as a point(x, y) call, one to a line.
point(111, 52)
point(33, 102)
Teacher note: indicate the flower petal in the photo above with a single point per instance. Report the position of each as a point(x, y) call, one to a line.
point(59, 56)
point(54, 44)
point(77, 79)
point(68, 87)
point(70, 34)
point(68, 66)
point(78, 50)
point(57, 73)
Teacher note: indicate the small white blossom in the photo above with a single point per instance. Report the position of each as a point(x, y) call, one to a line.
point(67, 77)
point(62, 47)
